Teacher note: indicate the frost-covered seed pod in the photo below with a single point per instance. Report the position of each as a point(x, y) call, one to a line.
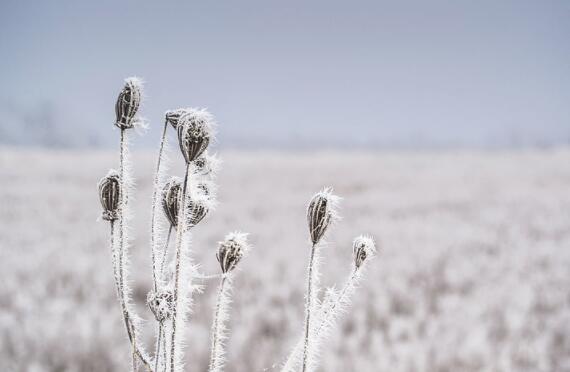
point(171, 194)
point(206, 165)
point(161, 304)
point(198, 209)
point(363, 248)
point(231, 250)
point(320, 213)
point(194, 132)
point(128, 103)
point(109, 194)
point(173, 116)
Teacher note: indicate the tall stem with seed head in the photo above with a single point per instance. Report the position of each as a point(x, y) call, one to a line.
point(218, 325)
point(309, 305)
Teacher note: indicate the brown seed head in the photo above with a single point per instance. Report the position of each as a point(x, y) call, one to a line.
point(194, 133)
point(161, 303)
point(171, 195)
point(363, 248)
point(128, 103)
point(109, 194)
point(320, 213)
point(231, 250)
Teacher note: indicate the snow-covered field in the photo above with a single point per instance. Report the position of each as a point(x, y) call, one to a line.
point(473, 273)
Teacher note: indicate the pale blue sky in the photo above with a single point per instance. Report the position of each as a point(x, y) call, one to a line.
point(292, 73)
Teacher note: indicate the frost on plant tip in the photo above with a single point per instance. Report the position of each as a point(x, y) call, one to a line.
point(173, 116)
point(231, 250)
point(160, 304)
point(363, 248)
point(198, 209)
point(109, 194)
point(128, 103)
point(171, 194)
point(320, 213)
point(194, 133)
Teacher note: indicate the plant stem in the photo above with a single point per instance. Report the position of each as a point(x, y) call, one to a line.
point(308, 308)
point(217, 328)
point(180, 229)
point(154, 203)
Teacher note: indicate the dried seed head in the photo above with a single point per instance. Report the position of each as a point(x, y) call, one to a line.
point(109, 194)
point(363, 248)
point(161, 303)
point(128, 103)
point(207, 165)
point(173, 116)
point(171, 194)
point(194, 133)
point(198, 208)
point(231, 250)
point(320, 213)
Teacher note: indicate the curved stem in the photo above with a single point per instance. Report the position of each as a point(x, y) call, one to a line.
point(308, 309)
point(179, 233)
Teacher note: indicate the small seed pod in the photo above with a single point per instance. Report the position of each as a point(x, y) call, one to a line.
point(128, 103)
point(231, 250)
point(320, 213)
point(171, 194)
point(109, 194)
point(161, 304)
point(173, 116)
point(363, 248)
point(198, 209)
point(194, 133)
point(207, 165)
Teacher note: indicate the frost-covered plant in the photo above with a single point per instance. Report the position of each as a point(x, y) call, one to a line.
point(184, 203)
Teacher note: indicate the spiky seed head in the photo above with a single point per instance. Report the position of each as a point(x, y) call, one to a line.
point(320, 213)
point(198, 207)
point(109, 195)
point(194, 133)
point(161, 304)
point(171, 195)
point(231, 250)
point(363, 248)
point(173, 116)
point(128, 103)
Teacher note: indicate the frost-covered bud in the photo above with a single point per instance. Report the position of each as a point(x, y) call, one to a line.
point(198, 208)
point(231, 250)
point(363, 248)
point(320, 213)
point(109, 194)
point(173, 116)
point(161, 304)
point(171, 194)
point(207, 165)
point(128, 103)
point(194, 133)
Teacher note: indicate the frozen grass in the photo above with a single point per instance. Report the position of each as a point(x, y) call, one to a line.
point(472, 274)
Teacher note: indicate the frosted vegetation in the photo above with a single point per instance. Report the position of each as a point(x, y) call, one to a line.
point(473, 271)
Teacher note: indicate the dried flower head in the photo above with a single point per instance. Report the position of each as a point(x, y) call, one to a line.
point(173, 116)
point(198, 207)
point(231, 250)
point(128, 103)
point(161, 303)
point(194, 133)
point(171, 194)
point(363, 248)
point(109, 194)
point(320, 213)
point(207, 165)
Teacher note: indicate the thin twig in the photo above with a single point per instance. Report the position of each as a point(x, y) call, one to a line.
point(308, 308)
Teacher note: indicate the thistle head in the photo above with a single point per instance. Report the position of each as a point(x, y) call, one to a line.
point(363, 249)
point(231, 250)
point(320, 213)
point(198, 208)
point(161, 304)
point(194, 133)
point(109, 194)
point(173, 116)
point(171, 194)
point(128, 103)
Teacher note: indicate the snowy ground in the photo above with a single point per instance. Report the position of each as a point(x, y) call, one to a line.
point(473, 275)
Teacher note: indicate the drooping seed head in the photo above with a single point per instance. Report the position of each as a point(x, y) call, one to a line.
point(231, 250)
point(173, 116)
point(194, 133)
point(128, 103)
point(320, 213)
point(109, 195)
point(171, 195)
point(161, 303)
point(363, 249)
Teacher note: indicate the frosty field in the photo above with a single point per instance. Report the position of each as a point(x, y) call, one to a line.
point(473, 272)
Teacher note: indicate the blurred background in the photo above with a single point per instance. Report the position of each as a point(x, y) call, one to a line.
point(445, 125)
